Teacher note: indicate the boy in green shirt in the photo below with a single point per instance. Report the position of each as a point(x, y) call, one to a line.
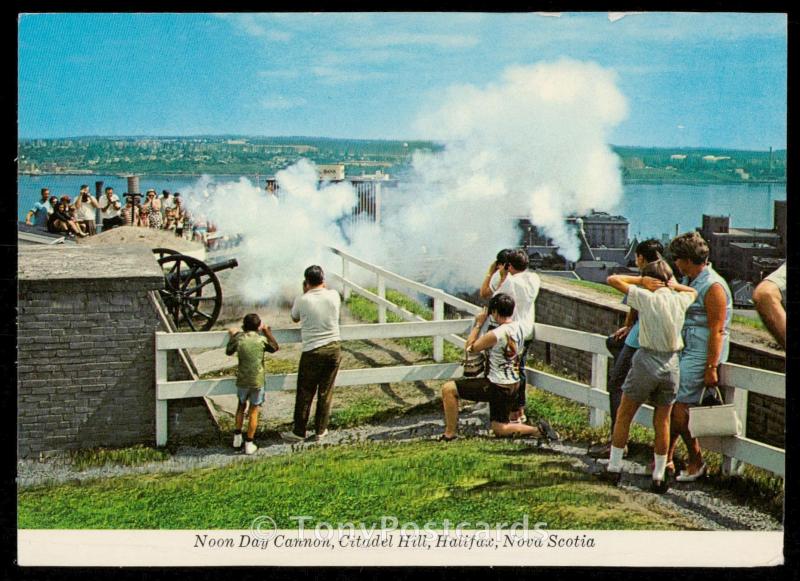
point(249, 344)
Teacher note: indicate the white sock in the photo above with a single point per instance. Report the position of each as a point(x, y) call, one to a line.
point(660, 467)
point(615, 459)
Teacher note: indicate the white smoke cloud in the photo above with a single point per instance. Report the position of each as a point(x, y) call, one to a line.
point(533, 145)
point(281, 235)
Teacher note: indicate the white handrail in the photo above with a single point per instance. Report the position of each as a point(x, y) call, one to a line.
point(740, 380)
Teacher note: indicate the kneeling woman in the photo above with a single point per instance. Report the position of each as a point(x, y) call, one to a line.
point(655, 373)
point(499, 387)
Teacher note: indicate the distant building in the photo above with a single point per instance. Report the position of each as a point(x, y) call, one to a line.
point(733, 250)
point(331, 172)
point(604, 246)
point(369, 190)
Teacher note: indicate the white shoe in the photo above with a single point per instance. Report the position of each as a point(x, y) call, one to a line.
point(291, 437)
point(685, 476)
point(320, 437)
point(237, 440)
point(250, 448)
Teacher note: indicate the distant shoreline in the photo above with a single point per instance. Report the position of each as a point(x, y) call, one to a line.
point(655, 182)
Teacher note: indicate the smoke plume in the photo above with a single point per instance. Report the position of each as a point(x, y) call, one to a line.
point(280, 235)
point(532, 145)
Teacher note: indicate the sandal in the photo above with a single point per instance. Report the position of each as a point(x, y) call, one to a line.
point(547, 432)
point(444, 438)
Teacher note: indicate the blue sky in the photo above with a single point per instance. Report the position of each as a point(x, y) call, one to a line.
point(690, 79)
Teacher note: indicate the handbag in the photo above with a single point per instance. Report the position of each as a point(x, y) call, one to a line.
point(714, 420)
point(474, 364)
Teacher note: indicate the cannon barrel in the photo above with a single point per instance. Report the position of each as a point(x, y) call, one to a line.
point(224, 265)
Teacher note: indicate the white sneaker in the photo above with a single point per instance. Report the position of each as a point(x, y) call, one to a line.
point(291, 437)
point(237, 440)
point(320, 437)
point(250, 448)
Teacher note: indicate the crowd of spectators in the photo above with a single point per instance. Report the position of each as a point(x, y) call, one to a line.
point(79, 217)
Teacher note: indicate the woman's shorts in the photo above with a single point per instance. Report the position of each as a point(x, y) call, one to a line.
point(654, 377)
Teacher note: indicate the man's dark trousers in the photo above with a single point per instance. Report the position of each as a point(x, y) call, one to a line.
point(316, 375)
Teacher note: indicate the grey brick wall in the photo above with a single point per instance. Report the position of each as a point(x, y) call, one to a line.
point(86, 363)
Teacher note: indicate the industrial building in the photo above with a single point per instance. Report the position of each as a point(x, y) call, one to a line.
point(604, 246)
point(746, 254)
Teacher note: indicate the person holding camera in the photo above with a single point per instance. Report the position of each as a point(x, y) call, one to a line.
point(110, 210)
point(500, 385)
point(317, 311)
point(86, 206)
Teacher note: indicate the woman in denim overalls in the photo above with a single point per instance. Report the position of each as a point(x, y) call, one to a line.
point(706, 337)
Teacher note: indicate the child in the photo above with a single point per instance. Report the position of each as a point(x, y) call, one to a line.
point(654, 374)
point(249, 344)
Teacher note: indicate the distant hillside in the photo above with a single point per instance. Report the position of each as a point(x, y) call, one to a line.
point(231, 154)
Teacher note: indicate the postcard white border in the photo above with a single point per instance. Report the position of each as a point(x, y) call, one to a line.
point(609, 548)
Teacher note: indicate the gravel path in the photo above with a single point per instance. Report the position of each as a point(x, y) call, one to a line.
point(699, 502)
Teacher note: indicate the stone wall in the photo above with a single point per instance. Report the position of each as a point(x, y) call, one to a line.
point(86, 363)
point(566, 305)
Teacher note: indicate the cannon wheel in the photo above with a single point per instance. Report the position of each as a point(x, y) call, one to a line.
point(192, 292)
point(162, 252)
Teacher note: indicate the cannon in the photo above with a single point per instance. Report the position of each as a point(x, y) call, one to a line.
point(192, 293)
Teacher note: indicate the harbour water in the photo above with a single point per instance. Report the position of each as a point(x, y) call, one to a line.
point(651, 209)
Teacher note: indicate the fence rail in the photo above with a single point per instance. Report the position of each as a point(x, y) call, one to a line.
point(736, 380)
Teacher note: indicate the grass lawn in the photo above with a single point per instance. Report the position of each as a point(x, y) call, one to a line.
point(748, 322)
point(473, 480)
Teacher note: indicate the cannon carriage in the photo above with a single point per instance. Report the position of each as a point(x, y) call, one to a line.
point(192, 292)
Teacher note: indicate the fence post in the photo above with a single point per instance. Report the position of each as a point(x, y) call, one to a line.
point(438, 315)
point(382, 294)
point(345, 278)
point(738, 397)
point(161, 404)
point(599, 381)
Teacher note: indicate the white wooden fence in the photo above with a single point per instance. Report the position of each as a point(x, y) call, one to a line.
point(736, 380)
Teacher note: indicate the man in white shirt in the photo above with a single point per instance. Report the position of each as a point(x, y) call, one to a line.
point(317, 311)
point(110, 210)
point(496, 274)
point(655, 370)
point(524, 286)
point(86, 210)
